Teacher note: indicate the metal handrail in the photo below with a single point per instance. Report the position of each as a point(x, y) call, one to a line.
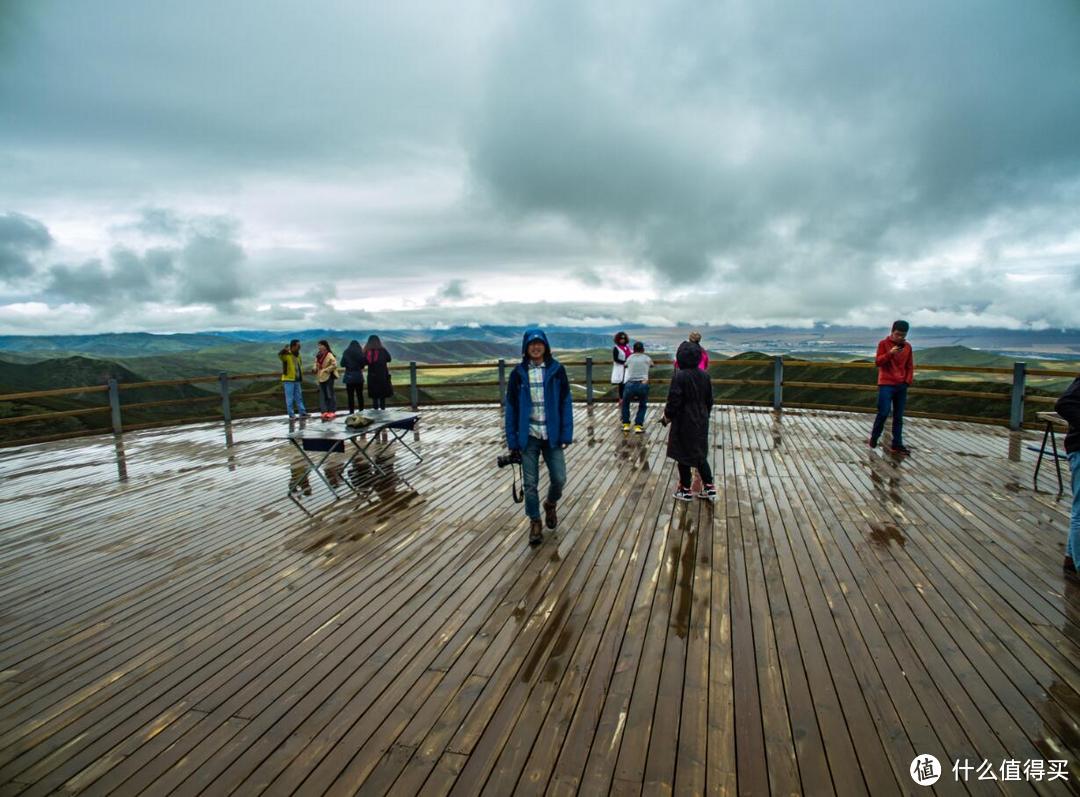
point(113, 388)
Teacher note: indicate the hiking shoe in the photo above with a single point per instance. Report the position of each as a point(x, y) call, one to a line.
point(551, 517)
point(536, 532)
point(639, 429)
point(626, 427)
point(683, 494)
point(900, 449)
point(708, 492)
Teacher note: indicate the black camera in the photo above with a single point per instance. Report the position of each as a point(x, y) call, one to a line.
point(513, 458)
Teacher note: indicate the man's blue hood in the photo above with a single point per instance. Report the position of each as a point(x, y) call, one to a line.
point(532, 334)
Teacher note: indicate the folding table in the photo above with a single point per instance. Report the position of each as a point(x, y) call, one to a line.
point(333, 437)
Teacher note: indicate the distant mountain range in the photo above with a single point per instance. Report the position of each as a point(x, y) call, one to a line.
point(464, 343)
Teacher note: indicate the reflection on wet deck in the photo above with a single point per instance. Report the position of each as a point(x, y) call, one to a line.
point(170, 622)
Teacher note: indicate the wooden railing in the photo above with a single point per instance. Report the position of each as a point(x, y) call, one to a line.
point(1015, 394)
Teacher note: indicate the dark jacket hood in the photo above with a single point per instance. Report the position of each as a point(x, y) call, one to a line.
point(353, 356)
point(689, 355)
point(530, 335)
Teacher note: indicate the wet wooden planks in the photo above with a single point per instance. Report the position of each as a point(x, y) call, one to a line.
point(170, 623)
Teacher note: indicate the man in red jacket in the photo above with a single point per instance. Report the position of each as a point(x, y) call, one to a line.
point(896, 369)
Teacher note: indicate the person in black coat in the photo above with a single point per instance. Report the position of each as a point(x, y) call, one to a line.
point(1068, 407)
point(352, 360)
point(378, 360)
point(689, 405)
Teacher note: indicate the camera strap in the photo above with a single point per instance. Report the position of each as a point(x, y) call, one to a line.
point(518, 492)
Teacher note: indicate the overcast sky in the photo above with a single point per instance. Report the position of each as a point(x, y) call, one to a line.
point(215, 164)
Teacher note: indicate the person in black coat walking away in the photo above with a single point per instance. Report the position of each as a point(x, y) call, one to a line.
point(378, 359)
point(1068, 407)
point(352, 360)
point(689, 405)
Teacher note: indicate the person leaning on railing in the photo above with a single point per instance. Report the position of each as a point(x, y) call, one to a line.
point(292, 377)
point(1068, 407)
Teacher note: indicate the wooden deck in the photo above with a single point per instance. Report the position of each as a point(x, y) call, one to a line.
point(171, 624)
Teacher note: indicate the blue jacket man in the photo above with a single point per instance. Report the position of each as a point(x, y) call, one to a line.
point(539, 422)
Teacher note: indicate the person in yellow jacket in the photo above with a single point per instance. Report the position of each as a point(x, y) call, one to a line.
point(325, 371)
point(292, 379)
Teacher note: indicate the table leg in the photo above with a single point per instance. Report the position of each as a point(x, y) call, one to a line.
point(1042, 450)
point(399, 436)
point(312, 466)
point(1057, 461)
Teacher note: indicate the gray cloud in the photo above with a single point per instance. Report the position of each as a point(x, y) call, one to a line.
point(455, 290)
point(241, 85)
point(88, 283)
point(128, 277)
point(785, 147)
point(159, 221)
point(22, 239)
point(211, 268)
point(206, 267)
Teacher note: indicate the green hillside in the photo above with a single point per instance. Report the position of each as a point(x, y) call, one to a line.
point(962, 355)
point(67, 372)
point(106, 345)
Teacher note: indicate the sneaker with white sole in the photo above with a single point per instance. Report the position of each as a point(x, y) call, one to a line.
point(639, 429)
point(708, 492)
point(683, 494)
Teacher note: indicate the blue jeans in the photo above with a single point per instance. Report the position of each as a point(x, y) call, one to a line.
point(327, 400)
point(530, 472)
point(294, 398)
point(894, 396)
point(639, 392)
point(1072, 547)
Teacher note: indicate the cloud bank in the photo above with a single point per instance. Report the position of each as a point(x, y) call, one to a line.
point(228, 165)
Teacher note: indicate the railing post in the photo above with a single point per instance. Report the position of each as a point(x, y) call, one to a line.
point(588, 380)
point(414, 393)
point(223, 382)
point(778, 383)
point(502, 381)
point(1016, 416)
point(114, 405)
